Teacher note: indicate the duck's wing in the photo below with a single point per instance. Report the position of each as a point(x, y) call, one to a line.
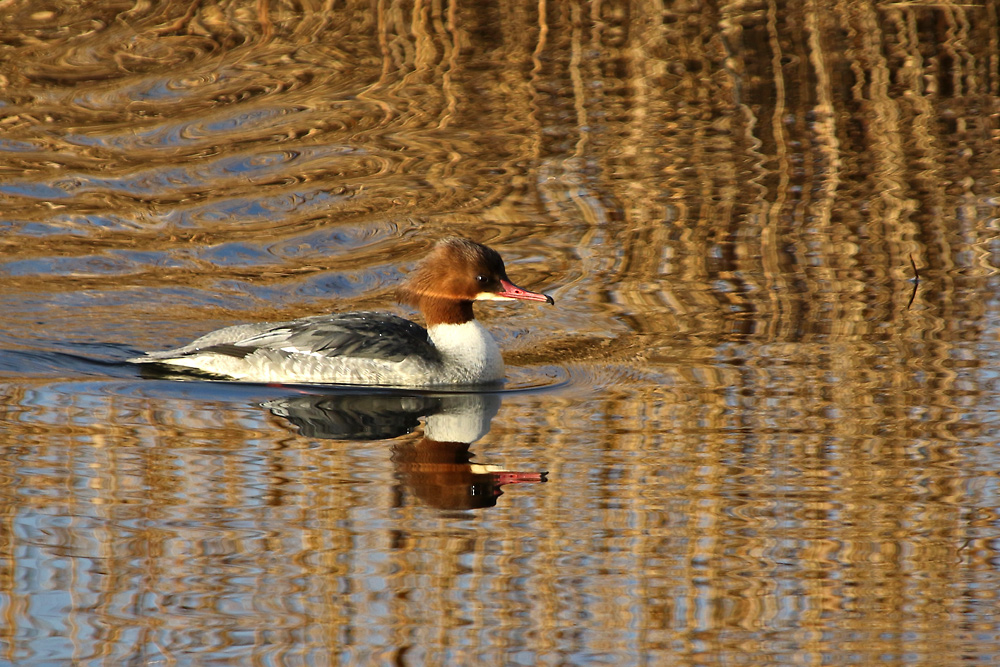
point(365, 335)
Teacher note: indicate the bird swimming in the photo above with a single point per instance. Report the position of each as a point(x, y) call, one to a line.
point(373, 348)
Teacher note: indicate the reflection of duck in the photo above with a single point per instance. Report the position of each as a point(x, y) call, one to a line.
point(373, 348)
point(438, 468)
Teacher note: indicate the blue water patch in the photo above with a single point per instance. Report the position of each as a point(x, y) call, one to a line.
point(236, 255)
point(169, 134)
point(11, 146)
point(41, 229)
point(258, 162)
point(239, 208)
point(111, 262)
point(70, 225)
point(348, 284)
point(105, 222)
point(36, 190)
point(158, 89)
point(245, 120)
point(332, 241)
point(260, 208)
point(204, 175)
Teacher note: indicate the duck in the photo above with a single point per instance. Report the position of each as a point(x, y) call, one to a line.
point(370, 347)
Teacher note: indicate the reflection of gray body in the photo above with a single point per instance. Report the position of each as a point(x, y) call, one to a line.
point(461, 418)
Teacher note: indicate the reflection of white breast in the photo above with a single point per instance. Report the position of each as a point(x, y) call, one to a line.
point(468, 352)
point(462, 418)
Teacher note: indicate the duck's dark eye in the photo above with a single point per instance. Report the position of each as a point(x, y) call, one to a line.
point(482, 279)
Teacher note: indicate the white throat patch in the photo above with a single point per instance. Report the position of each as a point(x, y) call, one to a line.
point(493, 296)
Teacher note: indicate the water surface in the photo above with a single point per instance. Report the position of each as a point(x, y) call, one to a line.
point(760, 426)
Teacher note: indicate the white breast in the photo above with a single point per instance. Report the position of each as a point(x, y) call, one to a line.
point(469, 352)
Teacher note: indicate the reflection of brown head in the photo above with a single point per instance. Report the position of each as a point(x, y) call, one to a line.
point(441, 475)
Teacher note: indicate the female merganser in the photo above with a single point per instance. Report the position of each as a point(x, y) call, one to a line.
point(372, 348)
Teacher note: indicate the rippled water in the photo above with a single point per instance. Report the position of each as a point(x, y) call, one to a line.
point(760, 426)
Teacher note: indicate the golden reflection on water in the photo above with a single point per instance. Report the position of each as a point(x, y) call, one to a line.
point(757, 448)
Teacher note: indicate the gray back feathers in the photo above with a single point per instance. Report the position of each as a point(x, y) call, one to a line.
point(365, 335)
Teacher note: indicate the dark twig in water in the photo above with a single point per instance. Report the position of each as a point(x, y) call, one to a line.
point(916, 282)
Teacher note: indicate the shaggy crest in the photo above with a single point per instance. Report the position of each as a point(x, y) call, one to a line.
point(425, 284)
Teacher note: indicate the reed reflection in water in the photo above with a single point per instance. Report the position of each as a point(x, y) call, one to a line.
point(760, 444)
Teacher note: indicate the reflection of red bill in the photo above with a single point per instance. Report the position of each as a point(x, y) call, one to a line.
point(509, 477)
